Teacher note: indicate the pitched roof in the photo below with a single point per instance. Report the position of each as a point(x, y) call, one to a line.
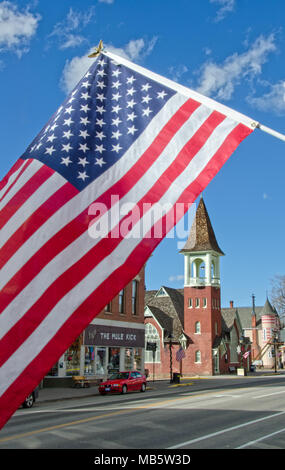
point(168, 310)
point(202, 236)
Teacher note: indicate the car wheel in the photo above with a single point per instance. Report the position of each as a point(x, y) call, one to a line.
point(28, 403)
point(143, 387)
point(124, 389)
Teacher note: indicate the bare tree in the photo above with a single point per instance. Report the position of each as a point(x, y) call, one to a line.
point(278, 295)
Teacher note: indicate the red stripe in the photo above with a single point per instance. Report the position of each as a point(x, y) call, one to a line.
point(76, 227)
point(43, 174)
point(24, 167)
point(72, 276)
point(36, 220)
point(90, 308)
point(14, 168)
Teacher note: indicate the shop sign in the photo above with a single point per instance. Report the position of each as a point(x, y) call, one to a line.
point(102, 335)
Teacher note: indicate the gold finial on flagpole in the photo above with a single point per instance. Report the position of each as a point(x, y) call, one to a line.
point(98, 50)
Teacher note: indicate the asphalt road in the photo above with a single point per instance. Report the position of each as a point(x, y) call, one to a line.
point(247, 413)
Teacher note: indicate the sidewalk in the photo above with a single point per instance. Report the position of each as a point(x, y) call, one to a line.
point(67, 393)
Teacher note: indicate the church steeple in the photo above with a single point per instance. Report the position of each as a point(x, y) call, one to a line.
point(202, 252)
point(202, 236)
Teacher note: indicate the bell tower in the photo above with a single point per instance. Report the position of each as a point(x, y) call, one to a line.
point(202, 296)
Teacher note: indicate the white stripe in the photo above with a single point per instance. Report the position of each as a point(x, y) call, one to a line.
point(214, 105)
point(42, 194)
point(84, 243)
point(67, 304)
point(250, 443)
point(11, 179)
point(233, 428)
point(26, 175)
point(75, 206)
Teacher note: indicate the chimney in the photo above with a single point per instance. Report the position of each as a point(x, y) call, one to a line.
point(231, 304)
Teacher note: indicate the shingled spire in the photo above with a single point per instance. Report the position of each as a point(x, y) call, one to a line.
point(202, 236)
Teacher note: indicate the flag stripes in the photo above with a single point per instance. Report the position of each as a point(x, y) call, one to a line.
point(55, 277)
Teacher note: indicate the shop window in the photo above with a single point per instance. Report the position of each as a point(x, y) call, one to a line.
point(114, 360)
point(138, 359)
point(72, 358)
point(122, 301)
point(134, 297)
point(89, 360)
point(129, 354)
point(101, 359)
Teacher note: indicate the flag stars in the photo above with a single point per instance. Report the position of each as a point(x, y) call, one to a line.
point(65, 161)
point(116, 148)
point(82, 175)
point(100, 135)
point(116, 73)
point(161, 94)
point(145, 87)
point(116, 122)
point(146, 112)
point(50, 150)
point(116, 135)
point(116, 84)
point(85, 96)
point(66, 147)
point(67, 134)
point(100, 109)
point(83, 147)
point(68, 122)
point(131, 104)
point(84, 134)
point(51, 138)
point(100, 148)
point(132, 130)
point(100, 122)
point(100, 162)
point(130, 80)
point(84, 108)
point(146, 99)
point(84, 121)
point(131, 116)
point(83, 161)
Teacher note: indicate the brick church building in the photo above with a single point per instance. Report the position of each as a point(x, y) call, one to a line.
point(191, 319)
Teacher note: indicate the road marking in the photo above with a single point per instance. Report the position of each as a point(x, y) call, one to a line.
point(270, 394)
point(260, 439)
point(233, 428)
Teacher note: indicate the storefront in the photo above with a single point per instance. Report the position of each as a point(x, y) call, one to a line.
point(109, 348)
point(103, 348)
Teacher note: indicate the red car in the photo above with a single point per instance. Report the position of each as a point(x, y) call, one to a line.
point(123, 382)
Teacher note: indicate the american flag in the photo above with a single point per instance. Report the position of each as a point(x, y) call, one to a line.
point(123, 135)
point(246, 354)
point(180, 354)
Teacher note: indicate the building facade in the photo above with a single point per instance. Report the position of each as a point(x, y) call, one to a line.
point(194, 335)
point(113, 341)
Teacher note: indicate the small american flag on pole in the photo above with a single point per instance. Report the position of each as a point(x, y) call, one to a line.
point(180, 354)
point(124, 135)
point(246, 354)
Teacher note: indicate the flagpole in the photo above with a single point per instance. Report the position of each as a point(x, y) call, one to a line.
point(266, 129)
point(248, 121)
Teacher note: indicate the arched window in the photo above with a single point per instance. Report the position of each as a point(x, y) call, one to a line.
point(197, 327)
point(152, 336)
point(197, 356)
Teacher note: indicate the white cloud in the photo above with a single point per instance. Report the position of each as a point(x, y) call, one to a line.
point(227, 6)
point(179, 277)
point(16, 28)
point(219, 81)
point(66, 31)
point(106, 1)
point(273, 101)
point(177, 72)
point(78, 66)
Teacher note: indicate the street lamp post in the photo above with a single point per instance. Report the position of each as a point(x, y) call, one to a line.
point(170, 337)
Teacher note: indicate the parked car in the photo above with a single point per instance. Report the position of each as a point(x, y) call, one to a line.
point(123, 382)
point(30, 400)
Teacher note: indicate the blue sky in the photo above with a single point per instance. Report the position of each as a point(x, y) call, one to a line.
point(230, 50)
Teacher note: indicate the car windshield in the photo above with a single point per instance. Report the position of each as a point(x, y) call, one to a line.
point(119, 375)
